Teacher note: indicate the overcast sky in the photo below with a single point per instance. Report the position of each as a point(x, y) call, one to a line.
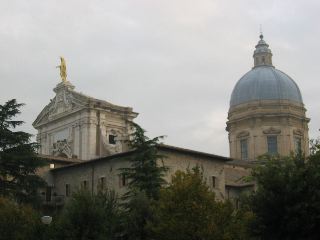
point(174, 61)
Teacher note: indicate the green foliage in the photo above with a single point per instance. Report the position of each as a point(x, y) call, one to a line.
point(145, 178)
point(315, 147)
point(18, 161)
point(138, 213)
point(287, 201)
point(18, 222)
point(89, 217)
point(187, 209)
point(146, 171)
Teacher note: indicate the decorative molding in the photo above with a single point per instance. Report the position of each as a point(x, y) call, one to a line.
point(298, 132)
point(64, 103)
point(93, 121)
point(113, 148)
point(243, 134)
point(76, 124)
point(272, 130)
point(62, 147)
point(60, 104)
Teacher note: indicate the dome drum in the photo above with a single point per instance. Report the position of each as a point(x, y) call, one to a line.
point(265, 108)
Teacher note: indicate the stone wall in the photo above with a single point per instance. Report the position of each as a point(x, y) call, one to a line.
point(236, 180)
point(109, 169)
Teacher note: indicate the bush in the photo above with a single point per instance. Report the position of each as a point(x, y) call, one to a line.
point(18, 222)
point(187, 210)
point(286, 203)
point(87, 216)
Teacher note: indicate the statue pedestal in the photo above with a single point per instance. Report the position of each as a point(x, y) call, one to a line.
point(63, 84)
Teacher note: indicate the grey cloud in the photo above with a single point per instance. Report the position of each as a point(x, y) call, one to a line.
point(174, 62)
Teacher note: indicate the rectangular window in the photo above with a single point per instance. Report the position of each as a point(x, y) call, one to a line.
point(244, 149)
point(84, 185)
point(272, 145)
point(101, 183)
point(68, 190)
point(51, 165)
point(297, 145)
point(214, 181)
point(112, 139)
point(122, 180)
point(48, 193)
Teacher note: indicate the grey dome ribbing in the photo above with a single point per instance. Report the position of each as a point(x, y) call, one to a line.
point(265, 83)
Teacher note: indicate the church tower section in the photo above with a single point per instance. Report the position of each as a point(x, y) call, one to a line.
point(74, 125)
point(266, 113)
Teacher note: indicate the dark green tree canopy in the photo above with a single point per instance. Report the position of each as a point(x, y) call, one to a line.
point(18, 222)
point(286, 203)
point(18, 160)
point(88, 216)
point(147, 170)
point(187, 210)
point(145, 178)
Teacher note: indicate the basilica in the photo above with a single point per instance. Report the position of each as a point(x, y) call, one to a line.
point(83, 138)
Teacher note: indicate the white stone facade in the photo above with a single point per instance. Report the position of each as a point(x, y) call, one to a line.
point(74, 125)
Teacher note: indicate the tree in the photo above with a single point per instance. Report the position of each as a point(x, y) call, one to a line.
point(137, 213)
point(18, 160)
point(187, 210)
point(146, 172)
point(18, 222)
point(286, 203)
point(314, 147)
point(145, 178)
point(87, 216)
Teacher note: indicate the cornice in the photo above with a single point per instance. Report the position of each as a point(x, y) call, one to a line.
point(264, 116)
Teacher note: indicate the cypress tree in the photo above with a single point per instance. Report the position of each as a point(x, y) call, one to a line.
point(147, 168)
point(18, 159)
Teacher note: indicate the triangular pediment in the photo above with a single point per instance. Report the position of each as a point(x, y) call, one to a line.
point(66, 102)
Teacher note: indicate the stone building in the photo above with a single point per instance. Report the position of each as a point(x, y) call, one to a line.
point(83, 141)
point(74, 125)
point(266, 116)
point(266, 113)
point(83, 138)
point(105, 172)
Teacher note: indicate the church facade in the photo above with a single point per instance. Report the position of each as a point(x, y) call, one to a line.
point(74, 125)
point(84, 139)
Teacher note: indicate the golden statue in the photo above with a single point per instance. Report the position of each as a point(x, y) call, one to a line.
point(63, 69)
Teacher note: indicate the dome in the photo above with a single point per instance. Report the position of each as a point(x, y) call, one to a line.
point(264, 81)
